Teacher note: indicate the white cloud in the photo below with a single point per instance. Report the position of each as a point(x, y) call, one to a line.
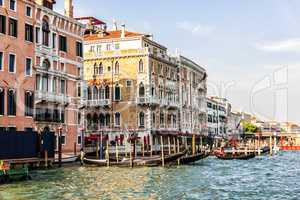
point(195, 29)
point(289, 45)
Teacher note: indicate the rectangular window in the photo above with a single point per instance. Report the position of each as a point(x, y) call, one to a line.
point(62, 86)
point(108, 47)
point(29, 104)
point(98, 48)
point(28, 11)
point(54, 40)
point(11, 102)
point(12, 5)
point(54, 86)
point(28, 66)
point(117, 46)
point(1, 61)
point(63, 140)
point(28, 32)
point(92, 48)
point(1, 2)
point(37, 33)
point(128, 83)
point(62, 43)
point(13, 27)
point(2, 24)
point(2, 94)
point(12, 63)
point(79, 49)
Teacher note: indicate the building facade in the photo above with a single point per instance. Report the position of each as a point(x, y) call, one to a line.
point(41, 63)
point(17, 58)
point(218, 113)
point(59, 64)
point(133, 85)
point(192, 90)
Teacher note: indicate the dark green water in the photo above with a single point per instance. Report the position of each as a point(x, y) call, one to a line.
point(275, 177)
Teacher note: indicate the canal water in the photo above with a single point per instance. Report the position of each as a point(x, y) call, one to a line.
point(276, 177)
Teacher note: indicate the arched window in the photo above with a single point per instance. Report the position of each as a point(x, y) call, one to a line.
point(2, 101)
point(117, 68)
point(11, 103)
point(101, 71)
point(153, 118)
point(102, 93)
point(89, 91)
point(102, 120)
point(95, 93)
point(142, 119)
point(141, 66)
point(107, 120)
point(46, 64)
point(89, 121)
point(161, 92)
point(46, 31)
point(141, 90)
point(95, 122)
point(117, 119)
point(153, 91)
point(117, 93)
point(107, 92)
point(96, 72)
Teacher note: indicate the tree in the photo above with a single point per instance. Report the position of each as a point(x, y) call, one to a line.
point(249, 128)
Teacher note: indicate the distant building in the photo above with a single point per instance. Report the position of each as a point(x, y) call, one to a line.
point(218, 113)
point(235, 126)
point(290, 127)
point(192, 90)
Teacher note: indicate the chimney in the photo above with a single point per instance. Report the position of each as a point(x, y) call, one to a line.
point(123, 31)
point(115, 25)
point(69, 8)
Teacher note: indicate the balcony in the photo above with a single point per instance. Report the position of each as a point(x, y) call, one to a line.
point(96, 103)
point(173, 104)
point(147, 100)
point(52, 97)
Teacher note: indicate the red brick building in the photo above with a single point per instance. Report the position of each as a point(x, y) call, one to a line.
point(40, 68)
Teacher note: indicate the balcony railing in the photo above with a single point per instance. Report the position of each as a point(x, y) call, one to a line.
point(147, 100)
point(52, 97)
point(96, 103)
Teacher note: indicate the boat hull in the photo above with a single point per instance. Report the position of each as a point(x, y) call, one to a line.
point(235, 157)
point(191, 159)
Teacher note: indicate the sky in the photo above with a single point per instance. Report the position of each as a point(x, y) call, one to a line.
point(250, 48)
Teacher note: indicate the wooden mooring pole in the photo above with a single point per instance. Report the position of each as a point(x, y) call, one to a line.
point(162, 151)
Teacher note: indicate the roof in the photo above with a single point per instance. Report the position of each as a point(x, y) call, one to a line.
point(111, 35)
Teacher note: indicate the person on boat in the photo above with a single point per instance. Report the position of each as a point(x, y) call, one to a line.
point(82, 154)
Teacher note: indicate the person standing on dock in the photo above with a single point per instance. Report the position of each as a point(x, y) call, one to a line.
point(82, 154)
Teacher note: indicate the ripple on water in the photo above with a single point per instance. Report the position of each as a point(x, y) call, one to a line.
point(276, 177)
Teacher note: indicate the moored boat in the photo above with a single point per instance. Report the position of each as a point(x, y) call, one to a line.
point(10, 174)
point(139, 161)
point(68, 159)
point(236, 156)
point(193, 158)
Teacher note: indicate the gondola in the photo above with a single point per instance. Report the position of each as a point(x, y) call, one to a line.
point(265, 150)
point(193, 158)
point(237, 156)
point(140, 161)
point(66, 160)
point(96, 162)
